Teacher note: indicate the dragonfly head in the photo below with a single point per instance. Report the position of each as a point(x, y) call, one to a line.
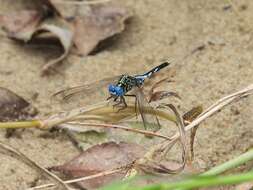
point(115, 90)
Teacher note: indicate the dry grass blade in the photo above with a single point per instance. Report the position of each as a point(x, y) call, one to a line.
point(217, 106)
point(101, 174)
point(81, 2)
point(148, 133)
point(209, 112)
point(31, 163)
point(188, 118)
point(102, 111)
point(181, 128)
point(152, 160)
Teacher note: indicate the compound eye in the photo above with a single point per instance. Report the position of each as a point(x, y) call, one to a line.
point(119, 91)
point(111, 88)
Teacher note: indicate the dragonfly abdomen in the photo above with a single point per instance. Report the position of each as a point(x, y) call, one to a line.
point(156, 69)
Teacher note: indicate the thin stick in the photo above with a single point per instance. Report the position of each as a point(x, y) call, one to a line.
point(100, 174)
point(217, 106)
point(34, 165)
point(149, 133)
point(81, 2)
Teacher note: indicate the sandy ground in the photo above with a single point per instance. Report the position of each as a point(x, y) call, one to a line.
point(159, 29)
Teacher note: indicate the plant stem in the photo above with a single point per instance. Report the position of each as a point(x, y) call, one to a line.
point(199, 182)
point(20, 124)
point(241, 159)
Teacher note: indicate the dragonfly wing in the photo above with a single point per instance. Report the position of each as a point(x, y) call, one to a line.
point(150, 121)
point(77, 92)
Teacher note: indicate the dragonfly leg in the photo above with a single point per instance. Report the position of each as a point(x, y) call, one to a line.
point(122, 99)
point(109, 98)
point(135, 103)
point(119, 102)
point(122, 103)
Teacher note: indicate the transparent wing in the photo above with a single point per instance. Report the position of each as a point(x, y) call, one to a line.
point(79, 92)
point(150, 121)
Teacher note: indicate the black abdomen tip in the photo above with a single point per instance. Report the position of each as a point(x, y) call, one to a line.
point(165, 64)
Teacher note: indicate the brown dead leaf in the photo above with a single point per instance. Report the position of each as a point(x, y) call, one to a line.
point(22, 24)
point(99, 158)
point(60, 30)
point(82, 25)
point(66, 10)
point(101, 21)
point(14, 107)
point(31, 24)
point(92, 23)
point(159, 95)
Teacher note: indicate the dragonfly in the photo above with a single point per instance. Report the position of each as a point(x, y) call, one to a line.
point(120, 88)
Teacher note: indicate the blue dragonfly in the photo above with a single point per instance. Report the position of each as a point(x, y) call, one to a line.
point(118, 89)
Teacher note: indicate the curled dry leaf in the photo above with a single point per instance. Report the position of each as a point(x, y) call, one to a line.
point(30, 24)
point(92, 23)
point(100, 22)
point(61, 31)
point(82, 25)
point(188, 117)
point(22, 24)
point(159, 95)
point(99, 158)
point(14, 107)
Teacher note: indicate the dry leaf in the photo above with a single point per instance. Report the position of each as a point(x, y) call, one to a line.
point(14, 107)
point(101, 21)
point(66, 10)
point(99, 158)
point(92, 23)
point(61, 31)
point(21, 25)
point(28, 24)
point(83, 25)
point(159, 95)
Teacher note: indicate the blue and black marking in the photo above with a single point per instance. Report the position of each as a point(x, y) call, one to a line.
point(127, 82)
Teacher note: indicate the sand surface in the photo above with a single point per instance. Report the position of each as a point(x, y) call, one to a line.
point(159, 29)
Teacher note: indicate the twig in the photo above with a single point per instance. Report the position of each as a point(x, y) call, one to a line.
point(149, 133)
point(217, 106)
point(34, 165)
point(81, 2)
point(101, 174)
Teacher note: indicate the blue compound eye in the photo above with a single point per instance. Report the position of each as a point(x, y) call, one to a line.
point(111, 88)
point(119, 91)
